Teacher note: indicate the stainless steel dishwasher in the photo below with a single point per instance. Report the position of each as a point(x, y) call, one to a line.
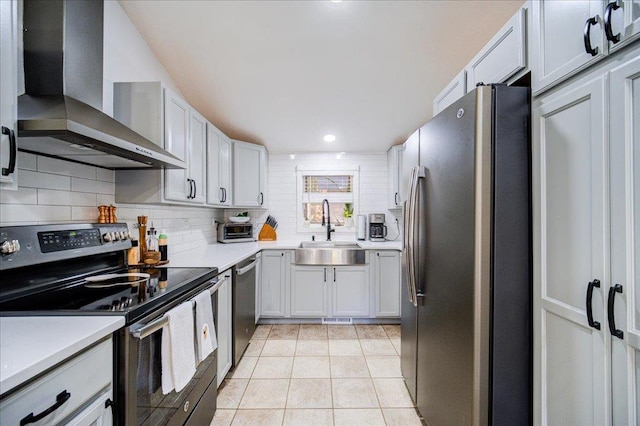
point(244, 306)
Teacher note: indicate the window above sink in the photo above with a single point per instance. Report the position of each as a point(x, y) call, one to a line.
point(339, 187)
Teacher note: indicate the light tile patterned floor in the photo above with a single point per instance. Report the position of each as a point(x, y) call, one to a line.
point(318, 375)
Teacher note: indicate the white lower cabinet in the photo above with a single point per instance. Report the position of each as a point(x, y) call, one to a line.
point(385, 278)
point(224, 326)
point(309, 291)
point(349, 291)
point(76, 392)
point(274, 278)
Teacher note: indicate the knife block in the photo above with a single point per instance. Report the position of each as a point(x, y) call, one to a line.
point(267, 233)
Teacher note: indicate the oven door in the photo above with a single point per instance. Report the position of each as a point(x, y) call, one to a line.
point(139, 378)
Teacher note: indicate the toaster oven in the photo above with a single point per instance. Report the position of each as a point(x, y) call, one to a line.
point(235, 232)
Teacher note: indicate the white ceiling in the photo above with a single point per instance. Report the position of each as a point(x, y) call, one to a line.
point(285, 73)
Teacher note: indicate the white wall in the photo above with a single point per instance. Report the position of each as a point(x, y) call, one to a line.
point(127, 57)
point(282, 190)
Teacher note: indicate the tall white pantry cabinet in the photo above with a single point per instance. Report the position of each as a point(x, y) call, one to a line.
point(586, 177)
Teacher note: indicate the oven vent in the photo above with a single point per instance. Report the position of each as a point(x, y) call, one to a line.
point(345, 321)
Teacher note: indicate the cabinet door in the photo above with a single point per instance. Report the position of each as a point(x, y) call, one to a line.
point(502, 57)
point(197, 156)
point(309, 289)
point(215, 194)
point(224, 165)
point(557, 46)
point(274, 274)
point(625, 22)
point(8, 94)
point(247, 173)
point(224, 327)
point(454, 91)
point(569, 252)
point(386, 281)
point(625, 241)
point(394, 169)
point(350, 291)
point(176, 140)
point(410, 159)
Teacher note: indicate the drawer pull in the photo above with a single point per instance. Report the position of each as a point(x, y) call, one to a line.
point(60, 399)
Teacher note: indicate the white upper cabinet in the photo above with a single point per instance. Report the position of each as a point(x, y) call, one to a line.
point(167, 120)
point(624, 293)
point(567, 36)
point(503, 56)
point(394, 168)
point(219, 192)
point(197, 156)
point(249, 175)
point(621, 22)
point(454, 91)
point(8, 94)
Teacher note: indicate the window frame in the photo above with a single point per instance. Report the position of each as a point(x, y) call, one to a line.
point(301, 226)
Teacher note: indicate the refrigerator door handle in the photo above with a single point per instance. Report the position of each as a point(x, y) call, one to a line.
point(420, 173)
point(410, 232)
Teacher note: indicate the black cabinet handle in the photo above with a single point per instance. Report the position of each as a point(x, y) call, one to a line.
point(334, 275)
point(607, 22)
point(587, 35)
point(325, 275)
point(224, 195)
point(610, 304)
point(195, 188)
point(13, 151)
point(395, 199)
point(592, 323)
point(261, 198)
point(60, 399)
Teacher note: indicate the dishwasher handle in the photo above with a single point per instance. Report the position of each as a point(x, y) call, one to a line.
point(247, 268)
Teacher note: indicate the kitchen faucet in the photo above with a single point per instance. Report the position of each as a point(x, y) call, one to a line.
point(328, 219)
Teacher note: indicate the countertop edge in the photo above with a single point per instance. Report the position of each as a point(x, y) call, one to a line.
point(31, 371)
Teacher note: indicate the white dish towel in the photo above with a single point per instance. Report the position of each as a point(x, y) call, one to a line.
point(178, 357)
point(205, 328)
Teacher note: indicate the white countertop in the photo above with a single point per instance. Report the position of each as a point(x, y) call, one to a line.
point(31, 345)
point(224, 256)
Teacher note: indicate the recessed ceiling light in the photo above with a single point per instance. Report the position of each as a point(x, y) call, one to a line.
point(335, 1)
point(329, 138)
point(292, 156)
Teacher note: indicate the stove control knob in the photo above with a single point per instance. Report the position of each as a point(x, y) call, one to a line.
point(107, 237)
point(10, 246)
point(115, 236)
point(125, 301)
point(124, 236)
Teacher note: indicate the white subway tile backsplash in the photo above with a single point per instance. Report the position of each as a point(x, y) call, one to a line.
point(30, 179)
point(67, 168)
point(84, 214)
point(105, 199)
point(96, 186)
point(65, 198)
point(29, 213)
point(105, 175)
point(21, 196)
point(27, 161)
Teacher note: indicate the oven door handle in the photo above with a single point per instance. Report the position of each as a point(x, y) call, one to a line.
point(153, 326)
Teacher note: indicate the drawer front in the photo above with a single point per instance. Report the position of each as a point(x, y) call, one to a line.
point(83, 377)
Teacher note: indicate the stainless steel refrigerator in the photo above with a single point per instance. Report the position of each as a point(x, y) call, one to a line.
point(466, 315)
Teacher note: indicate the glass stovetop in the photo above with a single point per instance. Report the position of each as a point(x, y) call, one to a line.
point(133, 300)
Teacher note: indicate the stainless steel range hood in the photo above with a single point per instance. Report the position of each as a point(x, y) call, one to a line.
point(60, 114)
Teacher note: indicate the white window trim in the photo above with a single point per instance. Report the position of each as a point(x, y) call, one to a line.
point(314, 229)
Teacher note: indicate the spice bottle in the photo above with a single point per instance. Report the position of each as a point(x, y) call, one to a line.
point(162, 246)
point(152, 239)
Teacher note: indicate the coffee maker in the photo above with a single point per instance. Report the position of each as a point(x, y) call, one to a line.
point(377, 228)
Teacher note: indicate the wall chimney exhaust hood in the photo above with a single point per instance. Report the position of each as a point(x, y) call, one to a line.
point(60, 113)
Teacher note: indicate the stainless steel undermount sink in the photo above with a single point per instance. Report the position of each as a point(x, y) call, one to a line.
point(330, 253)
